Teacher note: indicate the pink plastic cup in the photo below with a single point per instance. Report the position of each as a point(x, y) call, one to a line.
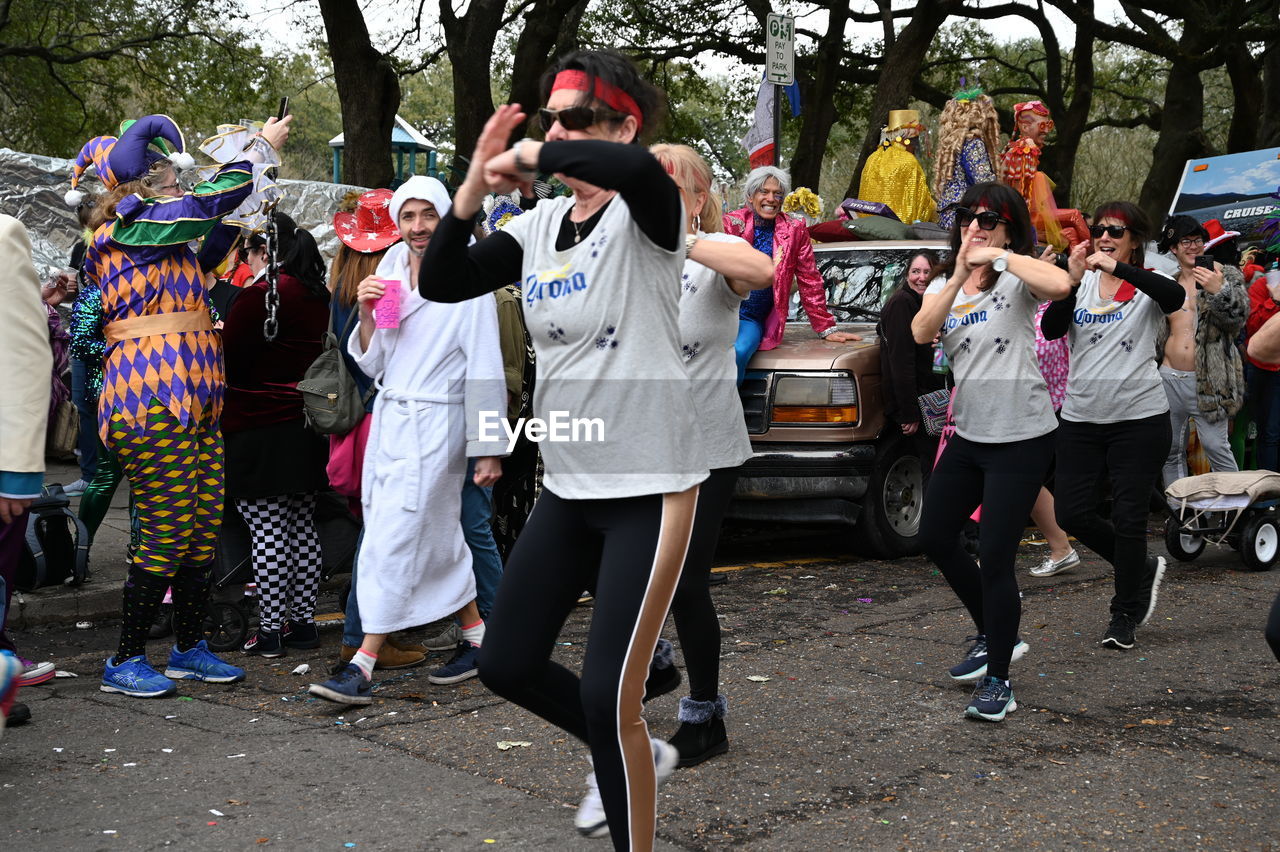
point(386, 311)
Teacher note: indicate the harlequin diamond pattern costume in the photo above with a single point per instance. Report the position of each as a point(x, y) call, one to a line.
point(162, 382)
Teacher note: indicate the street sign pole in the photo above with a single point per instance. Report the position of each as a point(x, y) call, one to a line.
point(780, 69)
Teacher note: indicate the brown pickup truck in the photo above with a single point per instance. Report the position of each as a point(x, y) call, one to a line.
point(813, 409)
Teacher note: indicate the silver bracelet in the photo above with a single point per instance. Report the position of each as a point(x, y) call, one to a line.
point(828, 332)
point(520, 162)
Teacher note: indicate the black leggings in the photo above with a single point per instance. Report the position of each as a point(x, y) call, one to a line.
point(1004, 479)
point(1132, 453)
point(692, 608)
point(633, 549)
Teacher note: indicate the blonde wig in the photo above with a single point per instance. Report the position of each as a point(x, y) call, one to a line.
point(962, 120)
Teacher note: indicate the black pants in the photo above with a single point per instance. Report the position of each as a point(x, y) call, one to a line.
point(633, 549)
point(1131, 453)
point(1004, 479)
point(692, 608)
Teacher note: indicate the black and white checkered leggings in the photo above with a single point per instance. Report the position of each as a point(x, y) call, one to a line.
point(286, 556)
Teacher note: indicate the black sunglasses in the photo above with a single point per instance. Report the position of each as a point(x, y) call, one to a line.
point(1115, 232)
point(575, 117)
point(987, 219)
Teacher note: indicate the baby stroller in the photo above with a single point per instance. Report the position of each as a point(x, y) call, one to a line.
point(1236, 509)
point(233, 596)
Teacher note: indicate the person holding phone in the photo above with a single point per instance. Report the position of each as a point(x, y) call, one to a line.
point(1115, 418)
point(985, 302)
point(1196, 346)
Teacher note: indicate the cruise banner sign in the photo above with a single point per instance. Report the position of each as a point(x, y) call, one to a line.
point(1239, 190)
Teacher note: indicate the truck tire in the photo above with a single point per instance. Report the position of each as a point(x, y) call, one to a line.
point(889, 524)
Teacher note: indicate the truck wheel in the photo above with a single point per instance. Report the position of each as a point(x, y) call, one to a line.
point(1260, 542)
point(889, 525)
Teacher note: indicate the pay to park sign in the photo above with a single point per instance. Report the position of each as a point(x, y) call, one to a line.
point(780, 50)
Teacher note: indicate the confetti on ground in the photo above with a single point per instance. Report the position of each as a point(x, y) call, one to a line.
point(108, 750)
point(85, 625)
point(506, 745)
point(1157, 721)
point(302, 669)
point(865, 600)
point(216, 812)
point(167, 750)
point(171, 717)
point(186, 698)
point(108, 831)
point(61, 673)
point(777, 591)
point(131, 764)
point(757, 678)
point(58, 749)
point(230, 756)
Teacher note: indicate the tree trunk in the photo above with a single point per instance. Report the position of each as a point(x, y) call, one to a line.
point(550, 29)
point(469, 43)
point(1246, 92)
point(1269, 120)
point(1070, 119)
point(819, 105)
point(898, 71)
point(368, 92)
point(1181, 138)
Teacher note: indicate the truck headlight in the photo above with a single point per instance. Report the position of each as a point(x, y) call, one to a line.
point(825, 398)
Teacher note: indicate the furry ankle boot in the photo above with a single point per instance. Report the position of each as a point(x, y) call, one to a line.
point(663, 677)
point(701, 734)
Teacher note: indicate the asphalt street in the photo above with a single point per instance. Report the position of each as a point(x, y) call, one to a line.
point(845, 732)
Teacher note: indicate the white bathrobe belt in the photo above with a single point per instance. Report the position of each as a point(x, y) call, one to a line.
point(411, 492)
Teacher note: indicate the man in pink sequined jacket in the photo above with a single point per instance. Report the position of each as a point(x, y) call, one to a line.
point(763, 316)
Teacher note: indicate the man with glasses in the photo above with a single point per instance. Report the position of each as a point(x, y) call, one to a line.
point(1199, 361)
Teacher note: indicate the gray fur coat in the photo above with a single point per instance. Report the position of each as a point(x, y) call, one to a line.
point(1219, 373)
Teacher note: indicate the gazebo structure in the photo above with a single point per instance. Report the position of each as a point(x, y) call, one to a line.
point(404, 140)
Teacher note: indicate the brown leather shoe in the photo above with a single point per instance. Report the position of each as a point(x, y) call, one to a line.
point(402, 645)
point(390, 657)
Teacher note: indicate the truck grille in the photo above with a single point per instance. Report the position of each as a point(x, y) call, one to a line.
point(754, 392)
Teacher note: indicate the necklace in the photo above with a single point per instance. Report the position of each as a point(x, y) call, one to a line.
point(577, 230)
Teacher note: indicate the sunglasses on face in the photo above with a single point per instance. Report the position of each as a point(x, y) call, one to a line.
point(1115, 232)
point(987, 219)
point(575, 117)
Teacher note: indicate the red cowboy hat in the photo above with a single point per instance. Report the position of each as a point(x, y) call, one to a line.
point(1217, 234)
point(370, 228)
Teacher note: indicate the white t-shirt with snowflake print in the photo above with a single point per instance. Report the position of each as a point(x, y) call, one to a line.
point(603, 315)
point(708, 330)
point(990, 339)
point(1114, 376)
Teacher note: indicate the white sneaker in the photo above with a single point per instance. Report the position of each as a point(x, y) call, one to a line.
point(446, 641)
point(590, 819)
point(75, 489)
point(1049, 567)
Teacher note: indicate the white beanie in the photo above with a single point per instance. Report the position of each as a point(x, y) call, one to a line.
point(422, 188)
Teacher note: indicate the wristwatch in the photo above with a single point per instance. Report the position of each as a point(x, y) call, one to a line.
point(689, 240)
point(1001, 263)
point(520, 164)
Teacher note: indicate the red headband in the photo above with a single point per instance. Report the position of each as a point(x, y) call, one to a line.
point(617, 99)
point(1037, 107)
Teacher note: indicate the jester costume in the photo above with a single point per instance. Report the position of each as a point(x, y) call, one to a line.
point(1020, 164)
point(968, 134)
point(162, 385)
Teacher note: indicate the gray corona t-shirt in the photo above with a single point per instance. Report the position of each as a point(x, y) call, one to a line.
point(603, 316)
point(1114, 376)
point(708, 329)
point(990, 339)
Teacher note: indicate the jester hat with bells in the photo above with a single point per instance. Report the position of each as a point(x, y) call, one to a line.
point(129, 156)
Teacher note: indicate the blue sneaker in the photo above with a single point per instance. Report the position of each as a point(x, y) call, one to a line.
point(992, 700)
point(348, 686)
point(461, 667)
point(135, 677)
point(200, 664)
point(974, 665)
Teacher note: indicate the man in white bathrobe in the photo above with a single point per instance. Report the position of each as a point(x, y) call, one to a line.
point(437, 373)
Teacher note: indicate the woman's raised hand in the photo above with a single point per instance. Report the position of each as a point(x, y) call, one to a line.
point(491, 145)
point(1101, 260)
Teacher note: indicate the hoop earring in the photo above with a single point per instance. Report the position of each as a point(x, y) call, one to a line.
point(697, 222)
